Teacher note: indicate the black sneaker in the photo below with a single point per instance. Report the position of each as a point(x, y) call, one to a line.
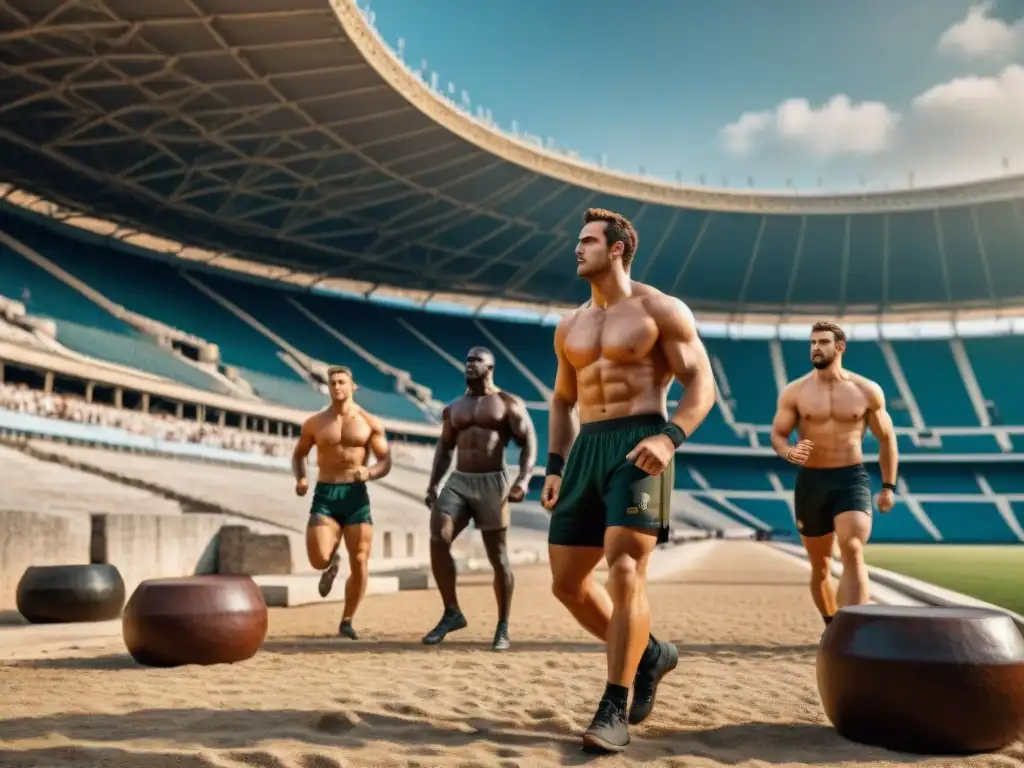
point(345, 630)
point(501, 641)
point(608, 731)
point(450, 622)
point(329, 575)
point(645, 684)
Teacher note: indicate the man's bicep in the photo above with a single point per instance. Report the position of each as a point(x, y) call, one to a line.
point(520, 422)
point(305, 442)
point(879, 420)
point(786, 416)
point(448, 433)
point(379, 441)
point(685, 353)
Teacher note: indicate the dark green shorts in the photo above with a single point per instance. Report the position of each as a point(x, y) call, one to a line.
point(344, 503)
point(600, 489)
point(821, 494)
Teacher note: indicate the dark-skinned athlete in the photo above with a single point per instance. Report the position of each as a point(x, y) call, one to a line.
point(345, 436)
point(617, 355)
point(479, 425)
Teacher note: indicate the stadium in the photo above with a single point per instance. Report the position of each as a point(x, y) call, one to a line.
point(203, 208)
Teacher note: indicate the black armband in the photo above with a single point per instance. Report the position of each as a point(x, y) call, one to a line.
point(889, 486)
point(675, 433)
point(555, 464)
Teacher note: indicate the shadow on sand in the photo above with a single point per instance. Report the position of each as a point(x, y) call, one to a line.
point(300, 645)
point(238, 735)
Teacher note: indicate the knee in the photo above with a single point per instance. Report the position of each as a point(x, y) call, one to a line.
point(623, 577)
point(851, 551)
point(360, 562)
point(821, 571)
point(568, 591)
point(441, 539)
point(318, 560)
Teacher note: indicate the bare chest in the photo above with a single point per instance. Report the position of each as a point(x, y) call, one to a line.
point(842, 402)
point(489, 412)
point(350, 432)
point(623, 336)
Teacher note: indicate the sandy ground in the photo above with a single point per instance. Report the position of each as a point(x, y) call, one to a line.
point(744, 694)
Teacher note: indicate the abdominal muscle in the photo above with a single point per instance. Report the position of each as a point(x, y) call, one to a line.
point(835, 444)
point(613, 390)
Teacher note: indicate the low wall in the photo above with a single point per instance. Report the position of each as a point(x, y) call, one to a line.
point(159, 546)
point(31, 538)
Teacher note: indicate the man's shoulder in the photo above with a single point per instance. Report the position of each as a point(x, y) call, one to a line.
point(793, 388)
point(510, 400)
point(872, 389)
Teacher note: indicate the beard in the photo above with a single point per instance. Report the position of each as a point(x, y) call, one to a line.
point(820, 363)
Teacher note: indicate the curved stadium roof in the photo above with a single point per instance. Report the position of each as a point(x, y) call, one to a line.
point(288, 134)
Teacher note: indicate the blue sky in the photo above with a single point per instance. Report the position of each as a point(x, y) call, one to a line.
point(653, 84)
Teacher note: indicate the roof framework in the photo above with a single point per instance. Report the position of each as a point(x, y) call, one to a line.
point(287, 133)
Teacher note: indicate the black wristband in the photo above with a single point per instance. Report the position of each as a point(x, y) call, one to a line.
point(555, 464)
point(889, 486)
point(675, 433)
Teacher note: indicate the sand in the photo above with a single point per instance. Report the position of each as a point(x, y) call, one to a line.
point(744, 694)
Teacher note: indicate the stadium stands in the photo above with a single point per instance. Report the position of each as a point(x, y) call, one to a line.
point(265, 331)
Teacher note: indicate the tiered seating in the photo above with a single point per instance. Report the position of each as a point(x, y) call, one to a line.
point(748, 367)
point(936, 383)
point(32, 485)
point(978, 522)
point(134, 351)
point(989, 359)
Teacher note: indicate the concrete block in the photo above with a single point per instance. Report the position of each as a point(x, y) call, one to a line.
point(242, 552)
point(301, 589)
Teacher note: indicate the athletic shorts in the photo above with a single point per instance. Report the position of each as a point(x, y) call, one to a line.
point(821, 494)
point(601, 489)
point(478, 496)
point(344, 503)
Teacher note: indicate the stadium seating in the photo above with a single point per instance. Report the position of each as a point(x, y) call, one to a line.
point(256, 323)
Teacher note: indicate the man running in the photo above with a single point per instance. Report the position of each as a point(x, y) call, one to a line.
point(345, 436)
point(617, 355)
point(830, 407)
point(479, 424)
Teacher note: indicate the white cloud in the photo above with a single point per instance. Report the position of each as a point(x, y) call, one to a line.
point(954, 131)
point(979, 36)
point(839, 126)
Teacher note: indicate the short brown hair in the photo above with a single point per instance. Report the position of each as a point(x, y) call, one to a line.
point(333, 370)
point(827, 325)
point(618, 229)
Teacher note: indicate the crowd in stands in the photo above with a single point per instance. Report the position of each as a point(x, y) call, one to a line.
point(161, 426)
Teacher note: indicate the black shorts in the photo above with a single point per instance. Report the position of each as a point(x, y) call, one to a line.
point(821, 494)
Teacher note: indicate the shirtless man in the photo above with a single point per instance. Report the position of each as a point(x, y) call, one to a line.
point(830, 407)
point(617, 355)
point(479, 424)
point(345, 436)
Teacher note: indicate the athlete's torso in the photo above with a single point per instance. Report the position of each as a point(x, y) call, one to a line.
point(483, 431)
point(833, 415)
point(341, 444)
point(620, 369)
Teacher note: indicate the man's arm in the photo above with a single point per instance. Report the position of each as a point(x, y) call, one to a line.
point(307, 439)
point(379, 447)
point(785, 421)
point(523, 433)
point(687, 359)
point(443, 452)
point(562, 426)
point(880, 424)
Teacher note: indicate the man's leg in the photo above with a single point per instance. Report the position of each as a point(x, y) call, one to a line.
point(627, 551)
point(358, 538)
point(323, 536)
point(504, 583)
point(853, 529)
point(573, 583)
point(445, 527)
point(819, 553)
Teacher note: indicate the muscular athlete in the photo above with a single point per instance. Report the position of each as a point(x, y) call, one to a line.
point(830, 408)
point(479, 425)
point(617, 355)
point(345, 436)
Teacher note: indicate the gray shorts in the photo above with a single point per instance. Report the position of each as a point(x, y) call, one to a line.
point(478, 496)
